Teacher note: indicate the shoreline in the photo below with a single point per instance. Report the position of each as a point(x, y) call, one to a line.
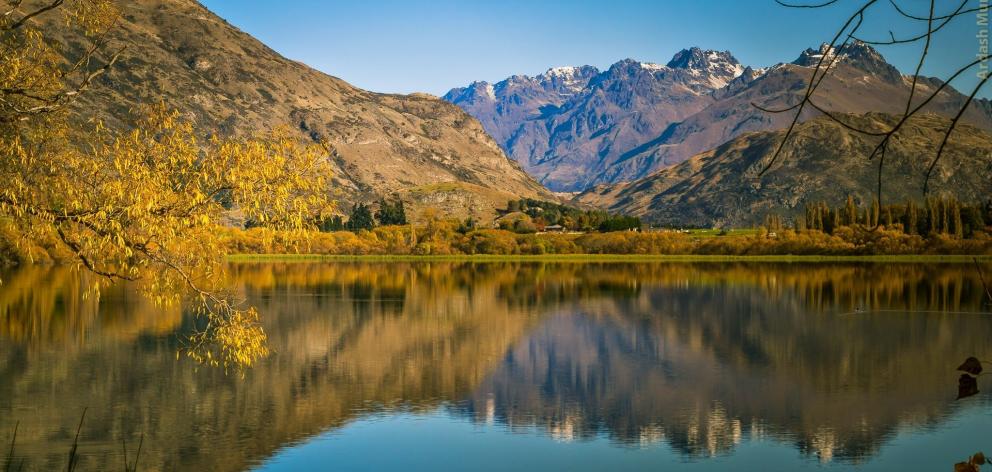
point(624, 258)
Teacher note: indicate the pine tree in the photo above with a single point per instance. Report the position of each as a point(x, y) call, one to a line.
point(360, 219)
point(335, 223)
point(391, 213)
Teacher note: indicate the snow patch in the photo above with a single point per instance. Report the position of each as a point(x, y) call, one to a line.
point(651, 66)
point(565, 76)
point(562, 71)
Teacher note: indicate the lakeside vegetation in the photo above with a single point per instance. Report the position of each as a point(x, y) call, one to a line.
point(452, 238)
point(940, 227)
point(609, 258)
point(444, 239)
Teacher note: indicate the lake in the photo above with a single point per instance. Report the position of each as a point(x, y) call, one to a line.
point(499, 365)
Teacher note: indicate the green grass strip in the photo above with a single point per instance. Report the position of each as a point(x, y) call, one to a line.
point(925, 258)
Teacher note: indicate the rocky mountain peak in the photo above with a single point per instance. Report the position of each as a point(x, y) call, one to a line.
point(856, 53)
point(811, 57)
point(567, 79)
point(698, 59)
point(479, 90)
point(717, 67)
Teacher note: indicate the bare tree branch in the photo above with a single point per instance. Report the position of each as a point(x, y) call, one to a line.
point(930, 29)
point(923, 57)
point(910, 110)
point(859, 16)
point(903, 12)
point(794, 5)
point(950, 129)
point(24, 19)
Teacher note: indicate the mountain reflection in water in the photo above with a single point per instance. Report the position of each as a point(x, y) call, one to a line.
point(831, 359)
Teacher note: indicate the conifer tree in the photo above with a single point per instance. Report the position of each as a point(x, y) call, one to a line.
point(360, 219)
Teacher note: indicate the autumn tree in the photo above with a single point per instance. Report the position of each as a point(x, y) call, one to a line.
point(141, 204)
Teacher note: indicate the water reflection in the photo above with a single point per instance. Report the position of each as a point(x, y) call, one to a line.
point(833, 359)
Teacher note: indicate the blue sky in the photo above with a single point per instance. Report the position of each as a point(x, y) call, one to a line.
point(434, 45)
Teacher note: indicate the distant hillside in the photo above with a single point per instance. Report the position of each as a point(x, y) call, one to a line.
point(229, 82)
point(824, 162)
point(572, 129)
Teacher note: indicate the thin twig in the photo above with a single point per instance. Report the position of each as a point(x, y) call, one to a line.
point(10, 455)
point(920, 18)
point(794, 5)
point(923, 57)
point(75, 444)
point(19, 23)
point(950, 129)
point(141, 441)
point(930, 30)
point(981, 277)
point(811, 88)
point(888, 136)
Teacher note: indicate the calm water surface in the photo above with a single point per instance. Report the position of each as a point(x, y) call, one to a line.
point(494, 366)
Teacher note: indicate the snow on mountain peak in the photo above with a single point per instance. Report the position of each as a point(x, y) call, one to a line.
point(697, 59)
point(651, 66)
point(811, 57)
point(856, 53)
point(569, 79)
point(561, 71)
point(717, 68)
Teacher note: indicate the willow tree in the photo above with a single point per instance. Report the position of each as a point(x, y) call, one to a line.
point(141, 204)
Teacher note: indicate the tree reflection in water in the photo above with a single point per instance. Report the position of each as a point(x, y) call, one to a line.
point(831, 358)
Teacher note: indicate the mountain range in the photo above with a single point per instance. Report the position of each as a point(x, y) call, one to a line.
point(418, 146)
point(615, 137)
point(575, 127)
point(825, 162)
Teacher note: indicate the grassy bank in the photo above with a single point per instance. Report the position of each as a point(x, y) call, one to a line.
point(447, 241)
point(956, 259)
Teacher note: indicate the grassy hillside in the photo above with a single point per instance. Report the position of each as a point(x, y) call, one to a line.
point(180, 53)
point(824, 162)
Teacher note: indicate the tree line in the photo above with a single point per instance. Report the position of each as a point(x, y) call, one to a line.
point(524, 216)
point(390, 213)
point(935, 215)
point(544, 214)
